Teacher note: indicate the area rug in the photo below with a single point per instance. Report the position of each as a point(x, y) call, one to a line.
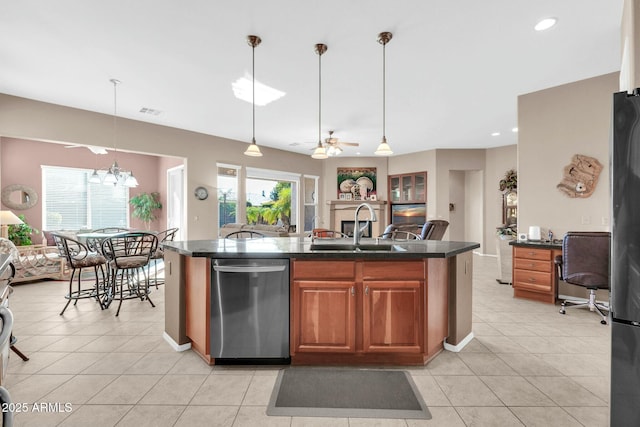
point(336, 392)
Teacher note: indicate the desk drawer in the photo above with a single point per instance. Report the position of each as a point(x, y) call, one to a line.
point(532, 280)
point(529, 253)
point(532, 264)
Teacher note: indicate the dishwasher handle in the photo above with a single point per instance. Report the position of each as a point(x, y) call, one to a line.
point(249, 268)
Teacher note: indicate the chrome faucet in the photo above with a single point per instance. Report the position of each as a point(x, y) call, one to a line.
point(357, 231)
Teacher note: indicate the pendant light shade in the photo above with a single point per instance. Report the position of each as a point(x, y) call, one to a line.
point(253, 150)
point(384, 149)
point(320, 152)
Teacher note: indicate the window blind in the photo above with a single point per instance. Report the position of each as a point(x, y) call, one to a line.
point(70, 202)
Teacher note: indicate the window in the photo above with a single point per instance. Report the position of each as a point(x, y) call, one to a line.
point(70, 202)
point(227, 194)
point(310, 202)
point(272, 197)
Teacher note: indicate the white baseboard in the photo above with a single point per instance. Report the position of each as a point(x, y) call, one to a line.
point(175, 345)
point(456, 348)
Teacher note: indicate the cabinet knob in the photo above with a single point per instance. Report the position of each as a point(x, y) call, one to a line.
point(353, 291)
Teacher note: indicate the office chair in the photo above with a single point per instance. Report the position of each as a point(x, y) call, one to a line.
point(585, 262)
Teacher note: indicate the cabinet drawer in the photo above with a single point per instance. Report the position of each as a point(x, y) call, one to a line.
point(530, 253)
point(532, 280)
point(394, 270)
point(532, 264)
point(326, 270)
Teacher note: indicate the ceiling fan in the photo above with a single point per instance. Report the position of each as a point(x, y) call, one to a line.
point(92, 148)
point(333, 145)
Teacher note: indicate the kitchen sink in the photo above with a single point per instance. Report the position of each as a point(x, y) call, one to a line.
point(350, 247)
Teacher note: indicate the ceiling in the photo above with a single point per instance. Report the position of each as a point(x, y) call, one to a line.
point(454, 68)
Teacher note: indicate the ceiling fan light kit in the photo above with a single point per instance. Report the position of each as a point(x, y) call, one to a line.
point(253, 150)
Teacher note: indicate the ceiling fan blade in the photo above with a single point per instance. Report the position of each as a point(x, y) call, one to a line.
point(352, 144)
point(92, 148)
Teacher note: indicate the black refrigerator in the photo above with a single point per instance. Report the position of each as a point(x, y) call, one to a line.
point(625, 260)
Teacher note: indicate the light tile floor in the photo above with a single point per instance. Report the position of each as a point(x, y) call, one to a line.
point(528, 365)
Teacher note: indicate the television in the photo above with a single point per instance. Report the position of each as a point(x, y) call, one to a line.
point(409, 214)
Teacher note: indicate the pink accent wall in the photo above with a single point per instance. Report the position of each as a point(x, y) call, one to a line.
point(22, 161)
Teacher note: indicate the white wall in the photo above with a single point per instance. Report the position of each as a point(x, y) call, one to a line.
point(457, 197)
point(554, 124)
point(474, 209)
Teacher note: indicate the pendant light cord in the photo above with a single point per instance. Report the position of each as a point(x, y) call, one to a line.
point(384, 91)
point(115, 115)
point(253, 96)
point(319, 98)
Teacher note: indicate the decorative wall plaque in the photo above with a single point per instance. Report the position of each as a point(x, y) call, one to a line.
point(580, 176)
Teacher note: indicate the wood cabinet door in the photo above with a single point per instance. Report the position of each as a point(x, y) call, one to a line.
point(323, 316)
point(391, 315)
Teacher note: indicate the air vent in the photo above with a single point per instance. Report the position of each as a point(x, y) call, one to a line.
point(150, 111)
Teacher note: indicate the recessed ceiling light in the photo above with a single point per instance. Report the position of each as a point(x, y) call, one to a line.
point(495, 134)
point(545, 24)
point(242, 89)
point(514, 130)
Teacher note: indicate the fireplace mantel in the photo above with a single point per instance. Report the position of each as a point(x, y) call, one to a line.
point(344, 210)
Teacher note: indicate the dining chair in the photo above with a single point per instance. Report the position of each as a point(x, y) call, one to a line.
point(244, 234)
point(128, 257)
point(79, 257)
point(322, 233)
point(163, 236)
point(404, 235)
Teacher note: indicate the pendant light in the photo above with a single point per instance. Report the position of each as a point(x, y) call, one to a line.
point(253, 150)
point(114, 174)
point(320, 152)
point(384, 149)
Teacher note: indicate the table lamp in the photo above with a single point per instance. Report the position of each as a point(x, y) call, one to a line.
point(8, 218)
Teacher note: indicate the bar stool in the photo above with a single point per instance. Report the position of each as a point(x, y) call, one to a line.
point(163, 236)
point(128, 254)
point(78, 257)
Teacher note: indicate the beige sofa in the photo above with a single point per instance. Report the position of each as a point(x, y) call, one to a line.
point(267, 230)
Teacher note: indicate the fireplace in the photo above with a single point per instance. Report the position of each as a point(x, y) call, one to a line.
point(340, 211)
point(347, 228)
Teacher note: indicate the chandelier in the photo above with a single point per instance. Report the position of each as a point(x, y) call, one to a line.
point(114, 174)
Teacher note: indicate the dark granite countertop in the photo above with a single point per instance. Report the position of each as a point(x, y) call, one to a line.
point(541, 244)
point(297, 247)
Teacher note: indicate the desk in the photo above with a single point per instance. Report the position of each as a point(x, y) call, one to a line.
point(534, 272)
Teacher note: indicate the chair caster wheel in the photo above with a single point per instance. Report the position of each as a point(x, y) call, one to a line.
point(604, 322)
point(562, 311)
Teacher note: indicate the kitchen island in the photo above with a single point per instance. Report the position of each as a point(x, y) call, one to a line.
point(379, 302)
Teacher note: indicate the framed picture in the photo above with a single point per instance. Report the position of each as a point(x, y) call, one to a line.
point(357, 180)
point(342, 196)
point(347, 196)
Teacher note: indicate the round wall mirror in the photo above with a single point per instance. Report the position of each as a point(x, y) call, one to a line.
point(19, 197)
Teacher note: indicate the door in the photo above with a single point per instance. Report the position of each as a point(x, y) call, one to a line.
point(391, 316)
point(324, 316)
point(175, 201)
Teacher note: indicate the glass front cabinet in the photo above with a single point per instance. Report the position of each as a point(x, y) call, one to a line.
point(408, 188)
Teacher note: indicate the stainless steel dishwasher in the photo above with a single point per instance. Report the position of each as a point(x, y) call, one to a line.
point(250, 310)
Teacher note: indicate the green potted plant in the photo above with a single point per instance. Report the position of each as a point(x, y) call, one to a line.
point(20, 234)
point(143, 206)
